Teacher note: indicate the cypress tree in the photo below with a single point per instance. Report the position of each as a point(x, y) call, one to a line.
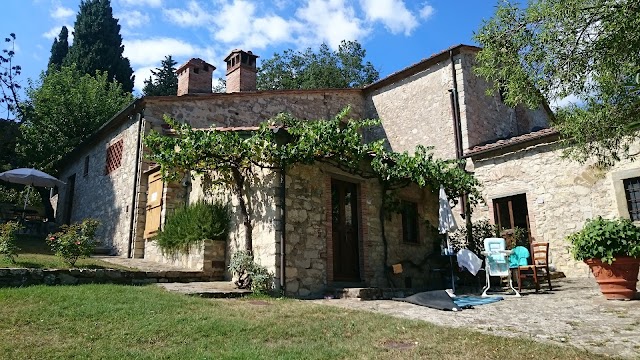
point(164, 80)
point(97, 43)
point(60, 48)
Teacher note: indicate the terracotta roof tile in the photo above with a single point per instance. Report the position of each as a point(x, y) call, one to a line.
point(535, 135)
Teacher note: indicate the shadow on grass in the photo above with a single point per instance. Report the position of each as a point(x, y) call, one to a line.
point(35, 253)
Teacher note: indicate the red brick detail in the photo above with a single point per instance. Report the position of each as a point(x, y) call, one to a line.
point(328, 226)
point(114, 156)
point(194, 77)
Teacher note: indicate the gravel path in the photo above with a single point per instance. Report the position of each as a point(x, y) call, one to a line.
point(574, 313)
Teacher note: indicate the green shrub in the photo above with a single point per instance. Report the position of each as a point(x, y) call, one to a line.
point(480, 230)
point(74, 241)
point(8, 247)
point(250, 275)
point(190, 225)
point(605, 239)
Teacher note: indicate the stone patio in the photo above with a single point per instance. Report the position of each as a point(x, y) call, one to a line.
point(574, 313)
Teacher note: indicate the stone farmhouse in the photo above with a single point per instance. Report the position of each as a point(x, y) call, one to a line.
point(320, 227)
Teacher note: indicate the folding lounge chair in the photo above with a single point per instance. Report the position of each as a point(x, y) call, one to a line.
point(496, 262)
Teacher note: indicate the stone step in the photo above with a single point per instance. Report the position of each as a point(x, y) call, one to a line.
point(366, 293)
point(210, 289)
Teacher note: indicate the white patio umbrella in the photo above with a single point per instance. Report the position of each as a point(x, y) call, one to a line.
point(447, 224)
point(31, 177)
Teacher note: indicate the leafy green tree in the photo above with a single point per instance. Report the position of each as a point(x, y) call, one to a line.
point(60, 48)
point(587, 49)
point(164, 80)
point(9, 73)
point(97, 44)
point(9, 131)
point(64, 108)
point(325, 68)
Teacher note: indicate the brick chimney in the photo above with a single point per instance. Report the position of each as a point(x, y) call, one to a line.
point(194, 77)
point(241, 71)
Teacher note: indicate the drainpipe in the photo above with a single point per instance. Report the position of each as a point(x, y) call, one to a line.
point(134, 194)
point(465, 210)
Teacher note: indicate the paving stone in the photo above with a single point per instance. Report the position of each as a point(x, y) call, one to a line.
point(575, 313)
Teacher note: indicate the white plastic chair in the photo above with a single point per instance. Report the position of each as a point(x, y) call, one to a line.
point(496, 262)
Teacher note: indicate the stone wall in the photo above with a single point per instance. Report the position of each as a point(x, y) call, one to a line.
point(416, 111)
point(309, 247)
point(24, 277)
point(253, 108)
point(106, 197)
point(486, 118)
point(264, 213)
point(207, 256)
point(561, 194)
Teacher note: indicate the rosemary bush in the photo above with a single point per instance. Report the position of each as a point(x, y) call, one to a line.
point(192, 224)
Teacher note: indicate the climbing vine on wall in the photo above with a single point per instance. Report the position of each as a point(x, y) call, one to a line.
point(285, 141)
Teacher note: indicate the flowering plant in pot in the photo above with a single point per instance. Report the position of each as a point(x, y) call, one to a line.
point(611, 248)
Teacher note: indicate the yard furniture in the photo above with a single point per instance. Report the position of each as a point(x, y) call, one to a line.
point(539, 267)
point(496, 263)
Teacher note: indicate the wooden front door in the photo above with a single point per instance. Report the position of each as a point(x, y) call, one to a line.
point(345, 234)
point(154, 204)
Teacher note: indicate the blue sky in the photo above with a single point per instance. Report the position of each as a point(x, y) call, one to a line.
point(395, 33)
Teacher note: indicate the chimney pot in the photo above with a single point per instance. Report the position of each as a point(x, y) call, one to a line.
point(241, 71)
point(194, 77)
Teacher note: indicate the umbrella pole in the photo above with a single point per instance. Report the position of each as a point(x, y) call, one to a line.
point(453, 279)
point(26, 198)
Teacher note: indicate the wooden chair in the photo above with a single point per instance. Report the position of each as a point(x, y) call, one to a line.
point(539, 267)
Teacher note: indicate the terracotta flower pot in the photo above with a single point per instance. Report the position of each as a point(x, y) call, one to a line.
point(618, 280)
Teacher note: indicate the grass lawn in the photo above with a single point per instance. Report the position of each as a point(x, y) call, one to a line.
point(118, 322)
point(35, 253)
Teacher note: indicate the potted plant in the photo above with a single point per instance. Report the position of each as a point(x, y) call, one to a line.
point(611, 248)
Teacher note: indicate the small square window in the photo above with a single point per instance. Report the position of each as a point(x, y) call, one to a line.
point(632, 193)
point(114, 156)
point(409, 215)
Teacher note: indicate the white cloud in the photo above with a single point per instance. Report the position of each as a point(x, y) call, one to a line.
point(194, 15)
point(151, 51)
point(252, 32)
point(142, 74)
point(426, 12)
point(231, 29)
point(52, 33)
point(566, 101)
point(55, 31)
point(60, 12)
point(133, 19)
point(330, 21)
point(141, 3)
point(392, 13)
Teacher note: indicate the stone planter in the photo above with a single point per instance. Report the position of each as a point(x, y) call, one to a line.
point(208, 256)
point(618, 280)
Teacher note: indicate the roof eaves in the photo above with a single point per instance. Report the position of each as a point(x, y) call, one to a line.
point(492, 149)
point(112, 123)
point(419, 66)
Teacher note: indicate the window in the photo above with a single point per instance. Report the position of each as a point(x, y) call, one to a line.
point(114, 156)
point(632, 193)
point(85, 172)
point(409, 222)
